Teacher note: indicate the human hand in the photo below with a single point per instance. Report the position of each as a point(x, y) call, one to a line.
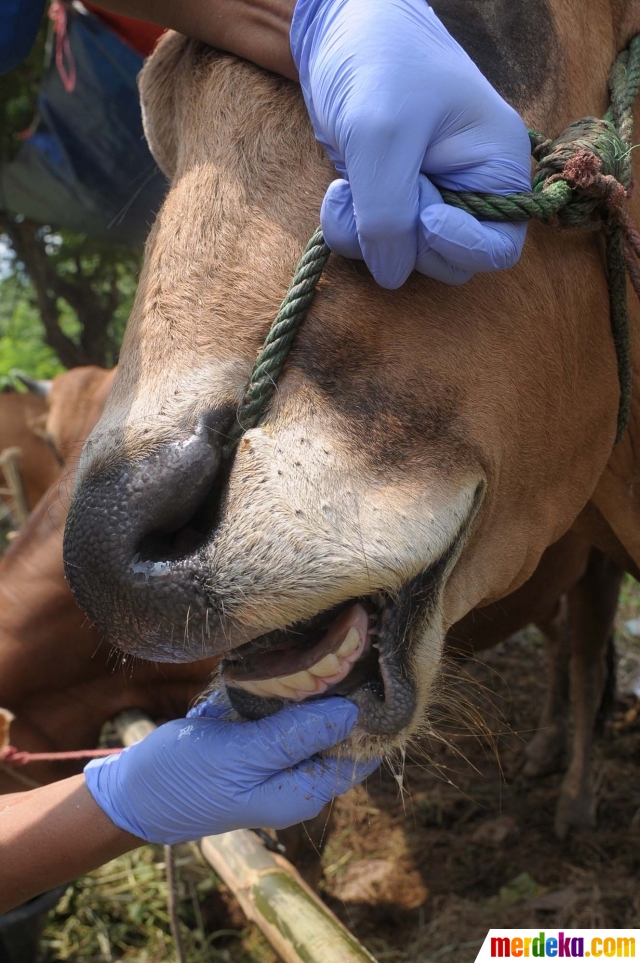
point(402, 110)
point(205, 774)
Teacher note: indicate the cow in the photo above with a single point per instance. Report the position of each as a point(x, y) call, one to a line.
point(22, 417)
point(424, 446)
point(75, 687)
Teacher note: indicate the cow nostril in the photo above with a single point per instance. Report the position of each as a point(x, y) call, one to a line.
point(174, 494)
point(185, 534)
point(134, 538)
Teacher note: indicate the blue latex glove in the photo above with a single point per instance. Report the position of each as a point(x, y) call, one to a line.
point(204, 775)
point(401, 109)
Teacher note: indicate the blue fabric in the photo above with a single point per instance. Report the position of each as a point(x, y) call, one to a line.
point(19, 22)
point(87, 166)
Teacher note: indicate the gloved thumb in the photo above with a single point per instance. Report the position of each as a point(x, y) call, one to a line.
point(338, 221)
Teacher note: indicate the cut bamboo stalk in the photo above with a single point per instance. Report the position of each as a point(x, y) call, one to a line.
point(271, 892)
point(133, 725)
point(273, 895)
point(10, 464)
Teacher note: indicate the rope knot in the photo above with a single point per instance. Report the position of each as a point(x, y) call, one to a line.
point(593, 160)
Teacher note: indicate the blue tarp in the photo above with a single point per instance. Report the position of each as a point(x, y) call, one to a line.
point(86, 165)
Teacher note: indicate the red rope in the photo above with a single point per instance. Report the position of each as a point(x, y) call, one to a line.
point(11, 756)
point(64, 57)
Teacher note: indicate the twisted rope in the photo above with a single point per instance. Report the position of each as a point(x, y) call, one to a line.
point(582, 179)
point(10, 756)
point(275, 349)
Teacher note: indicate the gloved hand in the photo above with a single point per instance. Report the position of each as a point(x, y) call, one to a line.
point(204, 775)
point(402, 110)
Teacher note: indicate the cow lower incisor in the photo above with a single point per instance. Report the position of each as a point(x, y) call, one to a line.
point(424, 448)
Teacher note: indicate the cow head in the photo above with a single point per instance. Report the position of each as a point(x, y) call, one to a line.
point(423, 448)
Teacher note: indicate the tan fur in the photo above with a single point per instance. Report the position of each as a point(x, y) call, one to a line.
point(21, 424)
point(506, 387)
point(58, 678)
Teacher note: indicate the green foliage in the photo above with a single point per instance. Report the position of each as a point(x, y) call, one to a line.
point(110, 271)
point(22, 335)
point(85, 287)
point(64, 298)
point(119, 912)
point(18, 95)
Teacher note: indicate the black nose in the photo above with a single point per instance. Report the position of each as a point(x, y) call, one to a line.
point(133, 547)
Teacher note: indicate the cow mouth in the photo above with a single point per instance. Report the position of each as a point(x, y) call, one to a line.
point(360, 650)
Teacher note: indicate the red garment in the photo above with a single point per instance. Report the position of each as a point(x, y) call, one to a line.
point(138, 34)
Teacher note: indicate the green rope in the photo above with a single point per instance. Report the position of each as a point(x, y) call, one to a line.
point(275, 349)
point(582, 179)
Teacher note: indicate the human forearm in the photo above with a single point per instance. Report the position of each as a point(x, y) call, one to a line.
point(257, 30)
point(51, 835)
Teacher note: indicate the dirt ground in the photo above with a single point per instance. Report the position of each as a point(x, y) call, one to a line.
point(473, 845)
point(421, 874)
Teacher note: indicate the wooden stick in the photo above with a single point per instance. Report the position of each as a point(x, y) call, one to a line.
point(271, 892)
point(172, 903)
point(133, 725)
point(10, 465)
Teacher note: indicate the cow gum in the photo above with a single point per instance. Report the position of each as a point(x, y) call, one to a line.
point(315, 680)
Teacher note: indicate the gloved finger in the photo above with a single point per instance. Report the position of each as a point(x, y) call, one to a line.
point(296, 733)
point(382, 159)
point(338, 220)
point(308, 788)
point(469, 244)
point(430, 262)
point(215, 706)
point(433, 265)
point(330, 776)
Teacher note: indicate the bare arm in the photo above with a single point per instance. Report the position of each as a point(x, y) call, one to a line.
point(51, 835)
point(257, 30)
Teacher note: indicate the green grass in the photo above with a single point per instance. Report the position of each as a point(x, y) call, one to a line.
point(119, 912)
point(628, 608)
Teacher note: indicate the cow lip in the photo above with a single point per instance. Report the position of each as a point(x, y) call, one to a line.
point(371, 678)
point(301, 651)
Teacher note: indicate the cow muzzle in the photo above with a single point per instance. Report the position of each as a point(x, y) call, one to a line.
point(174, 557)
point(133, 543)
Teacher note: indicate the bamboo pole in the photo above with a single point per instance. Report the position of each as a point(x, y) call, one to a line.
point(133, 725)
point(271, 892)
point(273, 895)
point(10, 465)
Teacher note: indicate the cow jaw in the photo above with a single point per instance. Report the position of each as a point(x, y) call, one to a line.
point(310, 662)
point(301, 550)
point(382, 651)
point(367, 654)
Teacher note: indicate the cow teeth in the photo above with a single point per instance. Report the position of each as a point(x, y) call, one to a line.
point(350, 644)
point(327, 666)
point(270, 687)
point(300, 680)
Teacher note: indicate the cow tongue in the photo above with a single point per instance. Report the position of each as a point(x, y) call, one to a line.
point(296, 674)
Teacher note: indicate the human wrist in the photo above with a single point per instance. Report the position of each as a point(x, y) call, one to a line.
point(257, 30)
point(52, 834)
point(104, 785)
